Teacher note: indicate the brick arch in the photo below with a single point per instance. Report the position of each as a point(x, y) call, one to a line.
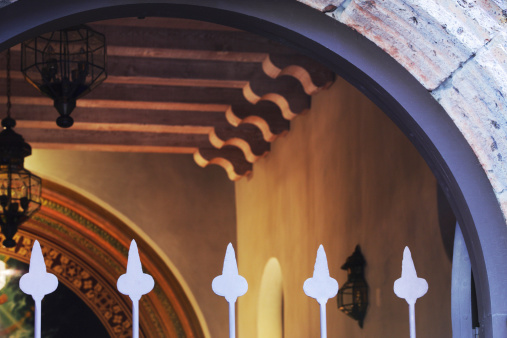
point(426, 96)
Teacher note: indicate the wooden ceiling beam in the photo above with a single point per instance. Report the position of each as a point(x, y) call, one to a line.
point(114, 148)
point(121, 104)
point(154, 116)
point(189, 39)
point(246, 137)
point(241, 70)
point(273, 64)
point(109, 138)
point(141, 117)
point(156, 81)
point(266, 115)
point(290, 105)
point(285, 91)
point(301, 67)
point(34, 110)
point(128, 127)
point(185, 54)
point(167, 53)
point(197, 69)
point(229, 158)
point(146, 93)
point(175, 82)
point(201, 69)
point(158, 70)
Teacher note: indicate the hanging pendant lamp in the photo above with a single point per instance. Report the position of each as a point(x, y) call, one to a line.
point(65, 65)
point(20, 190)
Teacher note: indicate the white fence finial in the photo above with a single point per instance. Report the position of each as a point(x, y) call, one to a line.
point(135, 284)
point(321, 287)
point(230, 285)
point(410, 287)
point(38, 283)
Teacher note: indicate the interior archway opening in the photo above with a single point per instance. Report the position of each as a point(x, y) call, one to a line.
point(453, 184)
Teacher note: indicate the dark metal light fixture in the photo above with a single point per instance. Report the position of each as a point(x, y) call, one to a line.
point(65, 65)
point(353, 295)
point(20, 190)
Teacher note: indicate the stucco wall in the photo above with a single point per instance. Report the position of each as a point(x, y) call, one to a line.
point(344, 175)
point(187, 211)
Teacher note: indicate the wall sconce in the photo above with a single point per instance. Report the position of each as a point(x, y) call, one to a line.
point(353, 295)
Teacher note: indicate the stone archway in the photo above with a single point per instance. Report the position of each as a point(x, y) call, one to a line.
point(436, 129)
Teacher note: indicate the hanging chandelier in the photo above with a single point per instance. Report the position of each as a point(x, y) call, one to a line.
point(65, 65)
point(20, 190)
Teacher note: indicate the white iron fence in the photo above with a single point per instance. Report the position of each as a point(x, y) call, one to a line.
point(134, 283)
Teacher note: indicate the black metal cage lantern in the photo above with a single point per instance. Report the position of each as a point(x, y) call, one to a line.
point(65, 65)
point(353, 295)
point(20, 190)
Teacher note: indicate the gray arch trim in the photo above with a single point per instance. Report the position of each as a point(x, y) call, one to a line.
point(361, 63)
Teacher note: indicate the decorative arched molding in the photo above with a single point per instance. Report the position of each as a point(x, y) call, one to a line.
point(386, 82)
point(86, 248)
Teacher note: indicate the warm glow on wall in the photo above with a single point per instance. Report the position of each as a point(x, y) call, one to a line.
point(270, 306)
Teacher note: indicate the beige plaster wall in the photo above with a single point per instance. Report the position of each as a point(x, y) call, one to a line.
point(187, 211)
point(344, 175)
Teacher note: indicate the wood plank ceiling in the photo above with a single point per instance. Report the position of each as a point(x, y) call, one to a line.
point(178, 86)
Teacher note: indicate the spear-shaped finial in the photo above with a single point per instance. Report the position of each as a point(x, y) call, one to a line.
point(410, 287)
point(38, 283)
point(135, 284)
point(230, 285)
point(321, 287)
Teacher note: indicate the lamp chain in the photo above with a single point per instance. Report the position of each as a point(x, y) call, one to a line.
point(9, 83)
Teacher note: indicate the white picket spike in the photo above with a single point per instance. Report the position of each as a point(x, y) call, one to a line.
point(230, 285)
point(410, 287)
point(38, 283)
point(135, 284)
point(321, 287)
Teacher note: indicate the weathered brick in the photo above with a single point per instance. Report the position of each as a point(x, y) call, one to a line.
point(429, 38)
point(475, 97)
point(323, 5)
